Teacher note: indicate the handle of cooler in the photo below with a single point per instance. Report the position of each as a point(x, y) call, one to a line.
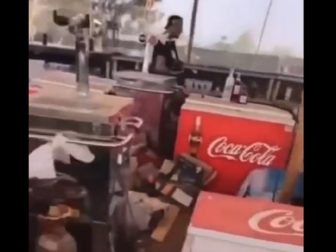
point(123, 140)
point(131, 121)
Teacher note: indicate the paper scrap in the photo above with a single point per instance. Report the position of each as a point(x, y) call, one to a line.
point(168, 189)
point(167, 166)
point(41, 160)
point(62, 150)
point(174, 177)
point(182, 197)
point(79, 152)
point(41, 163)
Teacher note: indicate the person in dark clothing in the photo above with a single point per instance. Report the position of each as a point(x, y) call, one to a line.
point(165, 58)
point(165, 61)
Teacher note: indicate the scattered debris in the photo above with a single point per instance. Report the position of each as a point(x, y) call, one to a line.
point(182, 180)
point(166, 223)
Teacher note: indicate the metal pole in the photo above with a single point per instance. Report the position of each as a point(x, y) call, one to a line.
point(295, 164)
point(192, 30)
point(264, 26)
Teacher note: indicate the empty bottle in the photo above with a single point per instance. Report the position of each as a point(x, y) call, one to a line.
point(228, 88)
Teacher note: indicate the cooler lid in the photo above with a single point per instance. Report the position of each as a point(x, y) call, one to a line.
point(249, 111)
point(60, 78)
point(248, 221)
point(60, 100)
point(145, 81)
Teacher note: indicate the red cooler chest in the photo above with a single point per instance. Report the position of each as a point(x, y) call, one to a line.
point(234, 138)
point(222, 223)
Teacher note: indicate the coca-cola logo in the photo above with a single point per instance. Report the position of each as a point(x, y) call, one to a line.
point(276, 222)
point(255, 153)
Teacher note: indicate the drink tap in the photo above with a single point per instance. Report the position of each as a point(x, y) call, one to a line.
point(79, 26)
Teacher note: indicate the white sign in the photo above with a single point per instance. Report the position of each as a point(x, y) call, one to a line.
point(256, 153)
point(277, 222)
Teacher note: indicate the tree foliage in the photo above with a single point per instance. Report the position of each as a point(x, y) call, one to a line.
point(282, 51)
point(133, 12)
point(243, 44)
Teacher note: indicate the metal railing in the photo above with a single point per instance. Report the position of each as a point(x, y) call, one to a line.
point(273, 86)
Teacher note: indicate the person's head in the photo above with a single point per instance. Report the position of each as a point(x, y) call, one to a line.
point(174, 26)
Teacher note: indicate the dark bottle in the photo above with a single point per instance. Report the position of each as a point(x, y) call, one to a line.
point(243, 94)
point(236, 89)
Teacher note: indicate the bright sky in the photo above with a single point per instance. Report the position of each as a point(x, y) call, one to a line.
point(229, 18)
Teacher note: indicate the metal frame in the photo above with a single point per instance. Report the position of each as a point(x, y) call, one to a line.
point(192, 30)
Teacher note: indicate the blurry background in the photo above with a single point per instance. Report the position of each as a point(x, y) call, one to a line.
point(224, 25)
point(255, 36)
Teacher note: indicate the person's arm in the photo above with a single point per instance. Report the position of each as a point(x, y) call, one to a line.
point(148, 57)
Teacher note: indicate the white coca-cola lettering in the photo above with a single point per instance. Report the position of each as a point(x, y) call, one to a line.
point(255, 153)
point(277, 221)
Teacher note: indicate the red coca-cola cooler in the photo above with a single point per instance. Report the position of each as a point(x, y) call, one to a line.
point(226, 223)
point(234, 138)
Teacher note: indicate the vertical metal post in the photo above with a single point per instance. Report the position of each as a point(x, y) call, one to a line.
point(264, 26)
point(107, 69)
point(276, 90)
point(192, 30)
point(269, 89)
point(114, 67)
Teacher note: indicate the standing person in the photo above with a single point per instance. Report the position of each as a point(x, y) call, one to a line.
point(165, 59)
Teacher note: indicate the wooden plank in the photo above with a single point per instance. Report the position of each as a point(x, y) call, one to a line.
point(165, 224)
point(295, 163)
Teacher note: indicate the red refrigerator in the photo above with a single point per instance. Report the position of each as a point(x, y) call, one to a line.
point(234, 139)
